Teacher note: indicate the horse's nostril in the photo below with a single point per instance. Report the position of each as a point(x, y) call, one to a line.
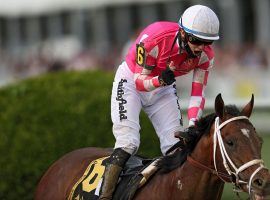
point(258, 182)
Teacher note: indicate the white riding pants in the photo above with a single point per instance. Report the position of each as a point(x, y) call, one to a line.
point(161, 105)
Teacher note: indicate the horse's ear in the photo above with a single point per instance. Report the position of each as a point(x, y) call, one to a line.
point(247, 110)
point(219, 106)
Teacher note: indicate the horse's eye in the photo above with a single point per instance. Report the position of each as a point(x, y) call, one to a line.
point(230, 143)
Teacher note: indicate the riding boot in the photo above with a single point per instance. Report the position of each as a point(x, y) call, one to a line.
point(112, 171)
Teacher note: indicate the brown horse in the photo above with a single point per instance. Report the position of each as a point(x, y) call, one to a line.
point(227, 149)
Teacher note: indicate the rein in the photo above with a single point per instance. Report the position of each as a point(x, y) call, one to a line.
point(232, 174)
point(197, 164)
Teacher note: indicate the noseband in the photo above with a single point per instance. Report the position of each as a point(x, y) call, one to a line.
point(228, 164)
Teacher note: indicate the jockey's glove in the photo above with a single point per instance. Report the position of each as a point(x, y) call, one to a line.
point(166, 77)
point(187, 135)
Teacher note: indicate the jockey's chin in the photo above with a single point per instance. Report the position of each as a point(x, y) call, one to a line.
point(196, 49)
point(197, 53)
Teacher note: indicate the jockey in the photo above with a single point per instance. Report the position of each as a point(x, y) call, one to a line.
point(146, 80)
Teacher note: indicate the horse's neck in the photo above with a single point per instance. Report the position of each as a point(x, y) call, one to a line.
point(186, 182)
point(198, 183)
point(201, 182)
point(192, 182)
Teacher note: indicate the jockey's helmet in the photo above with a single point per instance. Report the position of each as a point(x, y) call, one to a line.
point(201, 22)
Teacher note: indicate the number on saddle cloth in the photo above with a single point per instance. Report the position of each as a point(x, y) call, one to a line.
point(88, 186)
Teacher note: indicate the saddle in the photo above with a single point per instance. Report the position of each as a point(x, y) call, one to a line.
point(134, 175)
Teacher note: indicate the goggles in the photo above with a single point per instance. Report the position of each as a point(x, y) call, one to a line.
point(197, 41)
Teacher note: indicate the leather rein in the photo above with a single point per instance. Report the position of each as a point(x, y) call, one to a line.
point(199, 165)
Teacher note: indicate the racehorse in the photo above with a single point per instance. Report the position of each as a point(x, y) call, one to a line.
point(226, 149)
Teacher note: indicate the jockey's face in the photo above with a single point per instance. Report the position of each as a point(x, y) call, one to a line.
point(196, 45)
point(196, 49)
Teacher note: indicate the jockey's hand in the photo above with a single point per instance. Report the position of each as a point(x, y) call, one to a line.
point(187, 135)
point(167, 77)
point(182, 136)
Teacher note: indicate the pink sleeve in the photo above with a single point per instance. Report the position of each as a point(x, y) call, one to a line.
point(143, 77)
point(146, 82)
point(199, 82)
point(197, 99)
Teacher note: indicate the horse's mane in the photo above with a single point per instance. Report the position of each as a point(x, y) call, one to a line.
point(176, 159)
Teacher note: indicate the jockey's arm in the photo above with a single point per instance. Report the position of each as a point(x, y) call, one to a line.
point(144, 78)
point(145, 63)
point(197, 99)
point(145, 82)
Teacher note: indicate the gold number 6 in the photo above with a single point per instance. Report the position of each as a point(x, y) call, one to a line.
point(140, 55)
point(90, 183)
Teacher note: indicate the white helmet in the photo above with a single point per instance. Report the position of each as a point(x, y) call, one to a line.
point(201, 22)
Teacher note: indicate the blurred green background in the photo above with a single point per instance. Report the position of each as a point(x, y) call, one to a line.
point(43, 118)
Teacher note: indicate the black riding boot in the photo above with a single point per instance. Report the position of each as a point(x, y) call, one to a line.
point(113, 169)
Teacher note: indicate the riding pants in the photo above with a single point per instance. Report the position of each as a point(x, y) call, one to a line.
point(161, 105)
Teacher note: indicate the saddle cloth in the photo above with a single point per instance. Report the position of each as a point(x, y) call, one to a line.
point(88, 186)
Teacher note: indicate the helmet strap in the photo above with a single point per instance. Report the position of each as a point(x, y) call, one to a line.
point(185, 45)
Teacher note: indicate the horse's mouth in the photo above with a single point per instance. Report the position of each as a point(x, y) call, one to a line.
point(258, 197)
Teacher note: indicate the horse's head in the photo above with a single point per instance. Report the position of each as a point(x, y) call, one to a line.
point(237, 149)
point(226, 145)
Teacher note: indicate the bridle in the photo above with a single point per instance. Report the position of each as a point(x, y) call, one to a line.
point(232, 170)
